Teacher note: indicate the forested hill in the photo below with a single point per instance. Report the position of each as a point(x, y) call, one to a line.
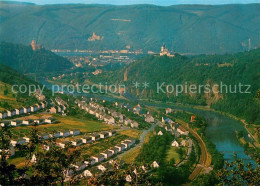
point(25, 60)
point(196, 29)
point(200, 70)
point(10, 99)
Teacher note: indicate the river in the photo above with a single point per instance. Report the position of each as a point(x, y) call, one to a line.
point(220, 130)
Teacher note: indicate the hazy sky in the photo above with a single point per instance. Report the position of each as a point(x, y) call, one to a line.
point(127, 2)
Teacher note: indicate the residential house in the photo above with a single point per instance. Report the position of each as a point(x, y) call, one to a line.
point(112, 133)
point(114, 150)
point(121, 147)
point(86, 140)
point(131, 140)
point(92, 172)
point(90, 161)
point(95, 137)
point(74, 132)
point(3, 115)
point(49, 120)
point(44, 136)
point(5, 123)
point(160, 133)
point(39, 121)
point(102, 168)
point(27, 139)
point(26, 110)
point(98, 158)
point(134, 124)
point(64, 133)
point(155, 164)
point(63, 144)
point(104, 135)
point(110, 120)
point(107, 154)
point(76, 142)
point(18, 142)
point(182, 131)
point(149, 118)
point(28, 122)
point(79, 166)
point(19, 111)
point(16, 123)
point(175, 144)
point(128, 178)
point(128, 121)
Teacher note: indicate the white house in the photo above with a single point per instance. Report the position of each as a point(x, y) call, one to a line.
point(16, 123)
point(27, 122)
point(98, 158)
point(175, 144)
point(155, 164)
point(107, 154)
point(110, 120)
point(27, 139)
point(79, 166)
point(134, 124)
point(149, 118)
point(74, 132)
point(18, 142)
point(103, 135)
point(33, 160)
point(128, 178)
point(182, 131)
point(76, 142)
point(63, 144)
point(121, 147)
point(114, 150)
point(86, 140)
point(49, 120)
point(3, 115)
point(95, 137)
point(112, 133)
point(65, 133)
point(160, 133)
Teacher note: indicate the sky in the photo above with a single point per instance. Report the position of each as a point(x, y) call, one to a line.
point(129, 2)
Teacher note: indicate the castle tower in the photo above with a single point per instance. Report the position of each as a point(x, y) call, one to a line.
point(33, 44)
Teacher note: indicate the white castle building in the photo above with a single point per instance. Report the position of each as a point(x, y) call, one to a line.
point(165, 51)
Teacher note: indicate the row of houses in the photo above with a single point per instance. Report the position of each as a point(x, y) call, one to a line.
point(87, 139)
point(27, 122)
point(110, 118)
point(45, 136)
point(23, 110)
point(98, 158)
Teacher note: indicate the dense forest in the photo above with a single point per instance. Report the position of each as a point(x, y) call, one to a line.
point(224, 72)
point(25, 60)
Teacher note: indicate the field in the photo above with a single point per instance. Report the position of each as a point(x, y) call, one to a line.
point(172, 154)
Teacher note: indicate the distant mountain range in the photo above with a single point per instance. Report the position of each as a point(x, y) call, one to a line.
point(25, 60)
point(194, 29)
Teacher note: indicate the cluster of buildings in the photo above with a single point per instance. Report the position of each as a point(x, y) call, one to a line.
point(87, 139)
point(23, 110)
point(109, 116)
point(98, 158)
point(15, 123)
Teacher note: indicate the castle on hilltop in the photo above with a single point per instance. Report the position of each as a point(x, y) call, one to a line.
point(35, 46)
point(165, 51)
